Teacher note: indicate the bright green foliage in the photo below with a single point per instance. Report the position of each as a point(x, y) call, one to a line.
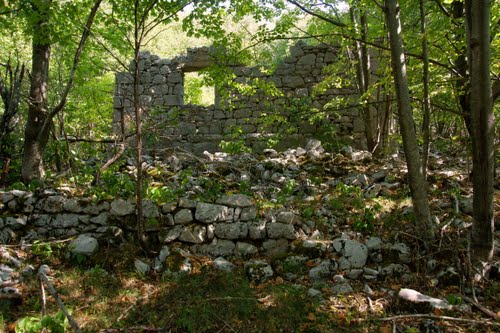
point(54, 324)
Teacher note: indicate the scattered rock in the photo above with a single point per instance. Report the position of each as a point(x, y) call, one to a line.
point(354, 254)
point(313, 293)
point(84, 244)
point(323, 270)
point(141, 267)
point(258, 271)
point(223, 265)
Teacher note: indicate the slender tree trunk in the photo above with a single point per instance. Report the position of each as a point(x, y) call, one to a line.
point(426, 129)
point(483, 128)
point(417, 181)
point(363, 73)
point(36, 134)
point(462, 83)
point(138, 27)
point(11, 94)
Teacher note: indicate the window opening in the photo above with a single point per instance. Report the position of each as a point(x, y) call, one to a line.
point(195, 92)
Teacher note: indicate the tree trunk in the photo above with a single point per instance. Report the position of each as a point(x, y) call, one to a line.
point(417, 181)
point(483, 128)
point(363, 74)
point(426, 130)
point(11, 93)
point(36, 134)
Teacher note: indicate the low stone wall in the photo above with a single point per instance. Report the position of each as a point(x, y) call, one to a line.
point(229, 227)
point(196, 128)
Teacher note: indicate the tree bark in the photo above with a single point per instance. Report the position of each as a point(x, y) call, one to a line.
point(426, 128)
point(418, 186)
point(477, 14)
point(38, 125)
point(36, 135)
point(363, 73)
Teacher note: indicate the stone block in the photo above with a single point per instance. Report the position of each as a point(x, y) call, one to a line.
point(209, 213)
point(237, 230)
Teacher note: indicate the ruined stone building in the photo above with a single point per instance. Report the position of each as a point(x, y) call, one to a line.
point(195, 128)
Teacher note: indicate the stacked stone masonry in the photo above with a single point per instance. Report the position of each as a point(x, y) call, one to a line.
point(196, 128)
point(230, 226)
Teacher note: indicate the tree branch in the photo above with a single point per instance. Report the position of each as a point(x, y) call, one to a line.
point(321, 17)
point(428, 316)
point(76, 60)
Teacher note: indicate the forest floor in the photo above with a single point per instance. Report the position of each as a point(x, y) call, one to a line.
point(107, 294)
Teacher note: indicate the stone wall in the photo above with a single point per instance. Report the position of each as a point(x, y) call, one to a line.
point(196, 128)
point(229, 227)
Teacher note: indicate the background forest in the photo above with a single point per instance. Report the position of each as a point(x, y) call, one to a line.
point(427, 81)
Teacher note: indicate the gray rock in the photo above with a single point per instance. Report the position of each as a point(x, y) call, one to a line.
point(158, 263)
point(6, 235)
point(379, 176)
point(354, 254)
point(84, 244)
point(237, 230)
point(361, 156)
point(218, 248)
point(257, 230)
point(101, 219)
point(342, 288)
point(120, 207)
point(72, 206)
point(416, 297)
point(280, 230)
point(245, 250)
point(66, 221)
point(374, 243)
point(370, 271)
point(183, 216)
point(323, 270)
point(394, 270)
point(258, 271)
point(248, 214)
point(353, 274)
point(5, 272)
point(16, 223)
point(223, 265)
point(403, 252)
point(367, 289)
point(373, 191)
point(141, 267)
point(194, 234)
point(289, 218)
point(5, 197)
point(274, 247)
point(187, 203)
point(172, 234)
point(311, 292)
point(235, 200)
point(96, 208)
point(210, 213)
point(150, 209)
point(52, 204)
point(169, 207)
point(29, 205)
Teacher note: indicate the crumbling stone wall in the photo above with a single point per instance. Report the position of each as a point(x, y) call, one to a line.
point(230, 226)
point(195, 128)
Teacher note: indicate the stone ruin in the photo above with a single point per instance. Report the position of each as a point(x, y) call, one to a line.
point(196, 128)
